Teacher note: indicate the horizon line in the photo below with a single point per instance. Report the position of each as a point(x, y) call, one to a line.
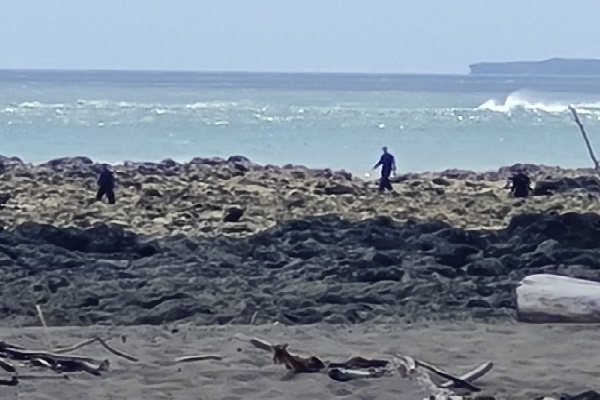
point(227, 71)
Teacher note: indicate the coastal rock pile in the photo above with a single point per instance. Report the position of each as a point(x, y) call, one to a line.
point(299, 272)
point(236, 197)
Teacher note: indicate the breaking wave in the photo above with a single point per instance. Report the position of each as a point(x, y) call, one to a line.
point(527, 100)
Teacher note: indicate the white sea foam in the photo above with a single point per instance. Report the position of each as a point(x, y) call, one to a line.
point(528, 100)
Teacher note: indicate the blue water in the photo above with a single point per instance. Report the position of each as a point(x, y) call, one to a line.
point(323, 120)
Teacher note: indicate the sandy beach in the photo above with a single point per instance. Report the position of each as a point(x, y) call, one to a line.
point(428, 271)
point(530, 360)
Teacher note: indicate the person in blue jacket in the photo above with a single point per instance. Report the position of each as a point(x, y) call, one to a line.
point(388, 166)
point(106, 185)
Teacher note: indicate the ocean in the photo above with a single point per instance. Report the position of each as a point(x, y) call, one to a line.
point(341, 121)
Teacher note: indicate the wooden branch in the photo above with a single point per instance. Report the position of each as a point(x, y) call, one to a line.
point(472, 375)
point(74, 347)
point(102, 343)
point(457, 382)
point(345, 375)
point(7, 366)
point(185, 359)
point(12, 382)
point(30, 354)
point(359, 363)
point(585, 138)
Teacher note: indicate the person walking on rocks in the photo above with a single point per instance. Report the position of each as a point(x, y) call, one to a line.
point(519, 184)
point(106, 185)
point(388, 166)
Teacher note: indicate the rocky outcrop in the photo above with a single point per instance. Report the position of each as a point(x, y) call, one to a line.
point(302, 271)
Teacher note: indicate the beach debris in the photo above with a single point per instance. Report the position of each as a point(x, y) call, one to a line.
point(102, 342)
point(431, 378)
point(55, 360)
point(587, 395)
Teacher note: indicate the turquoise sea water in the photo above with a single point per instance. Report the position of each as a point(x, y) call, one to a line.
point(321, 120)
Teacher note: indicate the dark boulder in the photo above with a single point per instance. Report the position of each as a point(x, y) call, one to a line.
point(233, 214)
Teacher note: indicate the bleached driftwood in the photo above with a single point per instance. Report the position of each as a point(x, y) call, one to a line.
point(472, 375)
point(547, 298)
point(456, 382)
point(186, 359)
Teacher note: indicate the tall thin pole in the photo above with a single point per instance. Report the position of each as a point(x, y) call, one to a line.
point(585, 138)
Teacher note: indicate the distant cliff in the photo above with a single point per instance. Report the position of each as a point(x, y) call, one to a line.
point(554, 66)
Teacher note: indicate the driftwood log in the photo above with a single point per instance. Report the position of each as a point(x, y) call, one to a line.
point(58, 361)
point(54, 361)
point(424, 374)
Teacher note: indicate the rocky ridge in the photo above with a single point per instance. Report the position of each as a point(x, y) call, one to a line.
point(235, 197)
point(318, 269)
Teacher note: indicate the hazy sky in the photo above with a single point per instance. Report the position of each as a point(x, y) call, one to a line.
point(426, 36)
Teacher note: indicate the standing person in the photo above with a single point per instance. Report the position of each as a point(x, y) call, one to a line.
point(388, 165)
point(519, 184)
point(106, 184)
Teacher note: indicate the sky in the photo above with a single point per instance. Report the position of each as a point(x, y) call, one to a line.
point(371, 36)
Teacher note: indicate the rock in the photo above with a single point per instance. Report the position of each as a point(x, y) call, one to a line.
point(4, 198)
point(151, 192)
point(9, 161)
point(550, 299)
point(233, 214)
point(441, 182)
point(486, 267)
point(566, 184)
point(70, 161)
point(455, 256)
point(339, 189)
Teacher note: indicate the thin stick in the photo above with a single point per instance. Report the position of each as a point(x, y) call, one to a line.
point(103, 343)
point(36, 377)
point(196, 358)
point(75, 347)
point(253, 319)
point(41, 315)
point(585, 138)
point(116, 352)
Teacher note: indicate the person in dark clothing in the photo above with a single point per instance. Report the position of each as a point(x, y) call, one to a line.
point(388, 166)
point(519, 184)
point(106, 185)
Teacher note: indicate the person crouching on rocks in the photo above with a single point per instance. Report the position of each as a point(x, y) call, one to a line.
point(106, 184)
point(388, 166)
point(519, 184)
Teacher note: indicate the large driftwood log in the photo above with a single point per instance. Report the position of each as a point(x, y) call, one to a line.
point(547, 298)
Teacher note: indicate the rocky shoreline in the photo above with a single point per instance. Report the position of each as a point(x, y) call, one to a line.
point(170, 198)
point(311, 246)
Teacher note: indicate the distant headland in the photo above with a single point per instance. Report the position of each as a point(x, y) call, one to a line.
point(553, 66)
